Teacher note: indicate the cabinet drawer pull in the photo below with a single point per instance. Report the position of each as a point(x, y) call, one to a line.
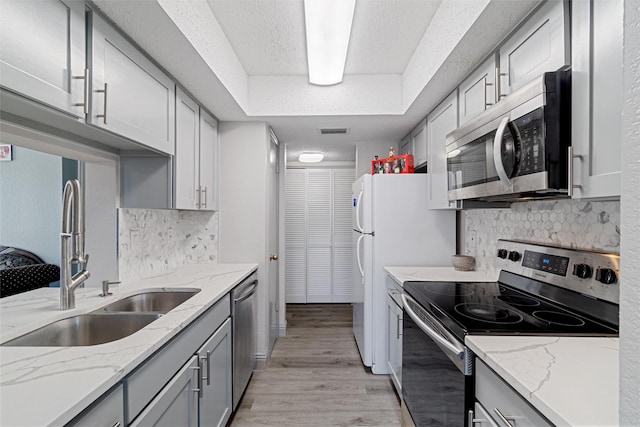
point(506, 420)
point(85, 95)
point(104, 115)
point(199, 373)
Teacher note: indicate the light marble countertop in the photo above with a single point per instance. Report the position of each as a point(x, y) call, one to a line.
point(438, 274)
point(50, 385)
point(573, 381)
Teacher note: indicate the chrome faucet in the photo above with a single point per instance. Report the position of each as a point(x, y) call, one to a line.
point(72, 244)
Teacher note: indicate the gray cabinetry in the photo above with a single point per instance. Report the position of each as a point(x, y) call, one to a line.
point(108, 411)
point(477, 92)
point(216, 364)
point(43, 52)
point(394, 342)
point(419, 143)
point(441, 121)
point(597, 98)
point(144, 383)
point(196, 156)
point(541, 44)
point(405, 146)
point(501, 403)
point(177, 402)
point(130, 96)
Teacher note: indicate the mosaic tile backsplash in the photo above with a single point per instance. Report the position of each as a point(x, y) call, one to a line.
point(583, 225)
point(152, 241)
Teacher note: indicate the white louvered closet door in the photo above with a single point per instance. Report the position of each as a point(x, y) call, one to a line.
point(319, 209)
point(318, 264)
point(342, 229)
point(295, 237)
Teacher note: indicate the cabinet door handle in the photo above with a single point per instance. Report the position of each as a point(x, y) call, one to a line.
point(198, 197)
point(208, 359)
point(104, 107)
point(117, 424)
point(85, 95)
point(471, 421)
point(499, 76)
point(199, 373)
point(570, 184)
point(204, 191)
point(398, 320)
point(504, 419)
point(486, 86)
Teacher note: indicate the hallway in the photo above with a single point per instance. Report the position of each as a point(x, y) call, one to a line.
point(315, 377)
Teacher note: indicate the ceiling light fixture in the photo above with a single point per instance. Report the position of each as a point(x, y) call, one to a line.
point(307, 157)
point(328, 28)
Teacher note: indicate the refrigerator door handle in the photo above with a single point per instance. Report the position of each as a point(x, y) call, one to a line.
point(358, 255)
point(358, 225)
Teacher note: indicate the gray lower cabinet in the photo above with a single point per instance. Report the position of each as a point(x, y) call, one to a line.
point(177, 402)
point(108, 411)
point(216, 363)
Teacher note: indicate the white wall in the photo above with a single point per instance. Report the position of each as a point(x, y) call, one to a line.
point(367, 149)
point(31, 203)
point(244, 149)
point(630, 222)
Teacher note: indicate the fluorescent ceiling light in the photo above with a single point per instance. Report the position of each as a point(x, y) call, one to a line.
point(310, 157)
point(328, 28)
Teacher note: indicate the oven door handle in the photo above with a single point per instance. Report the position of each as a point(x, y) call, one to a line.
point(453, 347)
point(497, 154)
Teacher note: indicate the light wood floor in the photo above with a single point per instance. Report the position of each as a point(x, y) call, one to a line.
point(315, 377)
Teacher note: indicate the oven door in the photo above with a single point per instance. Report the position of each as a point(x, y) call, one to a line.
point(437, 381)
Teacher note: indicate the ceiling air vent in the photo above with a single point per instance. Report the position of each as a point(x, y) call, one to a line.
point(334, 131)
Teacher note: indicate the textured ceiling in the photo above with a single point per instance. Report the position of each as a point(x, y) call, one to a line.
point(269, 37)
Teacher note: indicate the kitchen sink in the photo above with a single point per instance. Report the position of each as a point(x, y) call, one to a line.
point(151, 302)
point(85, 329)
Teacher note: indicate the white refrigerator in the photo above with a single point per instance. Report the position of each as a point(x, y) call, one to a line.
point(392, 226)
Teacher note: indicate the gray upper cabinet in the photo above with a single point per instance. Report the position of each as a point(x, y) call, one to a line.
point(130, 96)
point(441, 121)
point(541, 44)
point(597, 97)
point(419, 143)
point(209, 150)
point(477, 92)
point(187, 152)
point(405, 146)
point(42, 47)
point(196, 156)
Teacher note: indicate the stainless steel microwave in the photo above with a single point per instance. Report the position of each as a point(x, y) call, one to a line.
point(518, 149)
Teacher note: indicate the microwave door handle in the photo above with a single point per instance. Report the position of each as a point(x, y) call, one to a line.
point(497, 155)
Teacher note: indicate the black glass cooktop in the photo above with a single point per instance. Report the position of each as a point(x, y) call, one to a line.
point(494, 308)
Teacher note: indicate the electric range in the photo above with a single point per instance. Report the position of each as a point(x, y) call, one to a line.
point(541, 290)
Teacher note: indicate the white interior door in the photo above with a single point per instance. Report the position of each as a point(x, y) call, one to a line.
point(272, 242)
point(295, 237)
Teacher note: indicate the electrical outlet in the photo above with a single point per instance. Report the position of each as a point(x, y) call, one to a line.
point(471, 243)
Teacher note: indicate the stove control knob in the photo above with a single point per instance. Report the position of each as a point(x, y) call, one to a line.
point(502, 253)
point(514, 256)
point(606, 276)
point(583, 271)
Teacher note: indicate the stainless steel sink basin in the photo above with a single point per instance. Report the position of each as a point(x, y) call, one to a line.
point(86, 329)
point(151, 302)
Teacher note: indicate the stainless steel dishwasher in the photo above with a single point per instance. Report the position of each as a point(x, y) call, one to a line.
point(243, 312)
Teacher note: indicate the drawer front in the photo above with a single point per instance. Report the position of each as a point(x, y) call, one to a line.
point(498, 397)
point(108, 411)
point(145, 382)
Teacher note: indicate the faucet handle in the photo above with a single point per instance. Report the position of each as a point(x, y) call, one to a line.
point(105, 288)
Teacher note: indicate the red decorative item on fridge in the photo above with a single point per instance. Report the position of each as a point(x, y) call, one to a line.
point(395, 164)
